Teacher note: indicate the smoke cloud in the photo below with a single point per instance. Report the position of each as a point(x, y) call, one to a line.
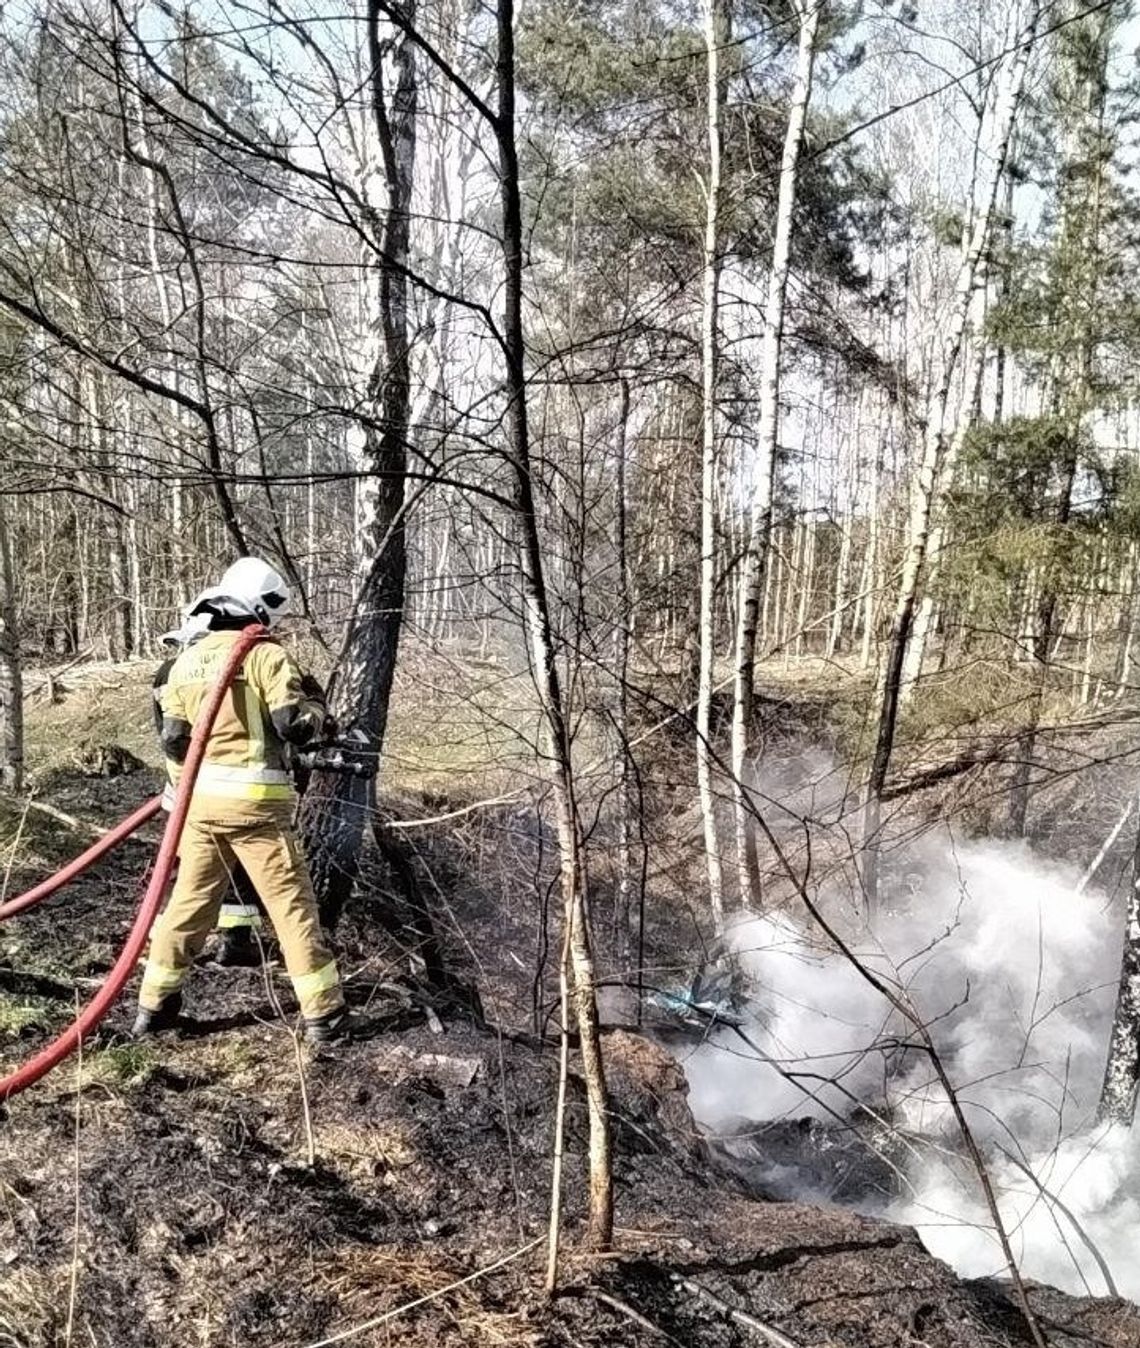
point(1016, 975)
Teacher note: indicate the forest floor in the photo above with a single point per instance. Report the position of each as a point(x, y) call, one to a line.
point(224, 1186)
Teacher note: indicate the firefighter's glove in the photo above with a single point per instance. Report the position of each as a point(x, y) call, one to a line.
point(312, 689)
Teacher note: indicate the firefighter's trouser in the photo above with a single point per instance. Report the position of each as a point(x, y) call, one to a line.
point(259, 835)
point(239, 909)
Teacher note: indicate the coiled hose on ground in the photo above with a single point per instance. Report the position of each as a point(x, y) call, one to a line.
point(124, 966)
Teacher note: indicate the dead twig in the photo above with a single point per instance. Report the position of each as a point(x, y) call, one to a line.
point(80, 825)
point(554, 1230)
point(51, 676)
point(766, 1332)
point(624, 1308)
point(1086, 1239)
point(1106, 847)
point(14, 849)
point(73, 1287)
point(294, 1033)
point(306, 1110)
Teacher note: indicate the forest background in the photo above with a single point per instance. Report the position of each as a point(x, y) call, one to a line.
point(616, 381)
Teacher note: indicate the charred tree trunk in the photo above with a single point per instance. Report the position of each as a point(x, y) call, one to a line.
point(557, 758)
point(338, 808)
point(1122, 1071)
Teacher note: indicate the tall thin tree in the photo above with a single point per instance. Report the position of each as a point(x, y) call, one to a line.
point(717, 28)
point(1011, 79)
point(338, 807)
point(809, 13)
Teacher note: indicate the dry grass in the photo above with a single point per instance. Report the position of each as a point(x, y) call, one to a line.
point(368, 1150)
point(368, 1282)
point(33, 1310)
point(458, 728)
point(112, 699)
point(20, 1014)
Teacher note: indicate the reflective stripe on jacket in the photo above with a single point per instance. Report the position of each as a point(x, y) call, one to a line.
point(265, 706)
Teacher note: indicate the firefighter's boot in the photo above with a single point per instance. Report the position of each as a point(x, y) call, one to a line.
point(165, 1017)
point(338, 1027)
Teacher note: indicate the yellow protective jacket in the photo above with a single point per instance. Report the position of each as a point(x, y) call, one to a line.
point(265, 709)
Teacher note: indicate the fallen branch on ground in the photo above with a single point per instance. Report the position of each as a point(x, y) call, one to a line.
point(767, 1332)
point(80, 825)
point(624, 1308)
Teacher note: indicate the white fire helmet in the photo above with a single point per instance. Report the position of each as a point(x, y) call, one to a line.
point(195, 624)
point(251, 587)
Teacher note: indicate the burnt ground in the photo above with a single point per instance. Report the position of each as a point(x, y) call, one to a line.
point(221, 1187)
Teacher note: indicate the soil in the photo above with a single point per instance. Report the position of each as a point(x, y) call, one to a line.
point(223, 1185)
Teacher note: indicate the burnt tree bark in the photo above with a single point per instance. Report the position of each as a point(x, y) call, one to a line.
point(557, 750)
point(338, 808)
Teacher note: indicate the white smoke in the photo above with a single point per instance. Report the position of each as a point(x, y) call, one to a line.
point(1015, 973)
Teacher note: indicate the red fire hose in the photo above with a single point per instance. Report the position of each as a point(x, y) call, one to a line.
point(124, 966)
point(108, 842)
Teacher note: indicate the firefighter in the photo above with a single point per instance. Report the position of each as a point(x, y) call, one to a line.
point(240, 914)
point(242, 804)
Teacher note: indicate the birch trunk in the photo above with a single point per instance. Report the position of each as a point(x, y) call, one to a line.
point(1122, 1070)
point(926, 619)
point(835, 639)
point(11, 675)
point(177, 486)
point(869, 584)
point(781, 546)
point(760, 530)
point(934, 444)
point(622, 634)
point(793, 570)
point(1130, 625)
point(716, 37)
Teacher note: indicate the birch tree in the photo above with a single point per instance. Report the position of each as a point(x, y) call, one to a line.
point(575, 884)
point(1122, 1068)
point(717, 30)
point(1010, 80)
point(808, 13)
point(11, 679)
